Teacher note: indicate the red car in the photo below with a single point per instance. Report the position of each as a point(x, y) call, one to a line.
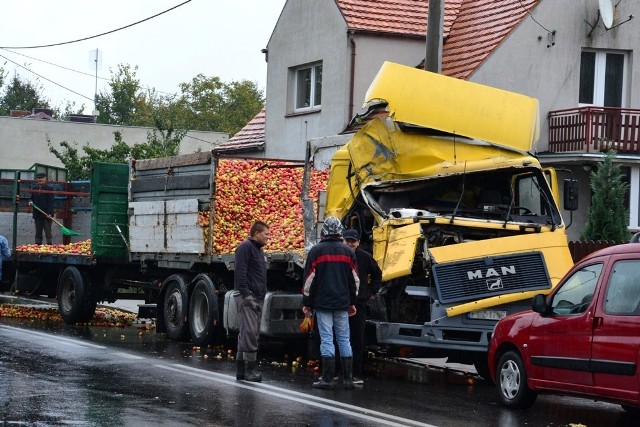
point(582, 339)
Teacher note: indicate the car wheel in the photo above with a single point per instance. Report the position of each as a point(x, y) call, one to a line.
point(512, 382)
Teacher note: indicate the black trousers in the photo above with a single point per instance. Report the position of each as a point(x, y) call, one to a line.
point(356, 327)
point(43, 224)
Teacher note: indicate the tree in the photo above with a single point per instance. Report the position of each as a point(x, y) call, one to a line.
point(78, 165)
point(21, 95)
point(608, 217)
point(208, 104)
point(119, 107)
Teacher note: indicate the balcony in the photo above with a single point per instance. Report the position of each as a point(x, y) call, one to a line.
point(594, 129)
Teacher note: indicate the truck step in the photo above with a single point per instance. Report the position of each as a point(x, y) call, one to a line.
point(147, 311)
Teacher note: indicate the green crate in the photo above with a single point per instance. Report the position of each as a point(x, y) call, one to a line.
point(109, 195)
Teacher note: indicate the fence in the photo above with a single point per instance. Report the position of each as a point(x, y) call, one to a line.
point(580, 249)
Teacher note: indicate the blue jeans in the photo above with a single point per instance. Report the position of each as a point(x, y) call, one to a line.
point(328, 322)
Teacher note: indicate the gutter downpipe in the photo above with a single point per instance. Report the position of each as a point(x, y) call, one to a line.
point(352, 42)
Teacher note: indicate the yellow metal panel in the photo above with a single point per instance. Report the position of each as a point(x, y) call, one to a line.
point(380, 151)
point(553, 246)
point(457, 106)
point(339, 195)
point(401, 251)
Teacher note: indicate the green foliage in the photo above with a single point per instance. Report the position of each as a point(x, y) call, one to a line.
point(78, 165)
point(21, 95)
point(208, 104)
point(608, 218)
point(119, 106)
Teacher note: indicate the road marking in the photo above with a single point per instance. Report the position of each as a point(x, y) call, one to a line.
point(127, 355)
point(65, 341)
point(303, 398)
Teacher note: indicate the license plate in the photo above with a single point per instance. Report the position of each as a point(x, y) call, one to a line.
point(487, 314)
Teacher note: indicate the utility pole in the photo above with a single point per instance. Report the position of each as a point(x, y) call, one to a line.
point(435, 22)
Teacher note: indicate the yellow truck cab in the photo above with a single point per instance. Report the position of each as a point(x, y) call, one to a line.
point(461, 218)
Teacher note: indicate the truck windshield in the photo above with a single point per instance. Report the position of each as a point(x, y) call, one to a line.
point(513, 195)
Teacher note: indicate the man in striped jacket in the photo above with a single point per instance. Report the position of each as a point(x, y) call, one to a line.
point(330, 289)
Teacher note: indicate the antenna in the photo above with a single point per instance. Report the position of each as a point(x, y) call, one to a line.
point(605, 7)
point(95, 61)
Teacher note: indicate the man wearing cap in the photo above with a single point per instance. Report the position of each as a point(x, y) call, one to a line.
point(370, 281)
point(42, 197)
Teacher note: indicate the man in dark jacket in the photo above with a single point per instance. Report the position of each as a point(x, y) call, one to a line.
point(250, 288)
point(370, 281)
point(43, 198)
point(330, 289)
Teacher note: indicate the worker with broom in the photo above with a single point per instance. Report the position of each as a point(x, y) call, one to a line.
point(42, 197)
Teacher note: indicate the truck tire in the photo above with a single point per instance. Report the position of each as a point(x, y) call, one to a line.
point(76, 302)
point(203, 310)
point(175, 307)
point(511, 377)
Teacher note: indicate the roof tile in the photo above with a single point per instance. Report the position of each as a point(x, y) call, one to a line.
point(250, 138)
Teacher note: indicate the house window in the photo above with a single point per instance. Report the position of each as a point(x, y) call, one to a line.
point(602, 78)
point(308, 87)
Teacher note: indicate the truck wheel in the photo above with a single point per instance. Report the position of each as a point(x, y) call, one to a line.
point(203, 310)
point(175, 307)
point(75, 300)
point(512, 382)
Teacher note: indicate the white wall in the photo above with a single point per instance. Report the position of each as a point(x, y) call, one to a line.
point(23, 142)
point(524, 64)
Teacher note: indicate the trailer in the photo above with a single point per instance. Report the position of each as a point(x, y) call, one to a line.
point(149, 241)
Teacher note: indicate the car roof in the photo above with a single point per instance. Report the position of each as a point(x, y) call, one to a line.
point(625, 248)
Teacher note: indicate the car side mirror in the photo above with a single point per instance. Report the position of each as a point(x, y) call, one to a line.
point(539, 304)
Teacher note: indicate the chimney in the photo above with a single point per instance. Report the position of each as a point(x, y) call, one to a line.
point(18, 113)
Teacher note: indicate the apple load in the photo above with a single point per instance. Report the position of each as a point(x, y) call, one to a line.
point(271, 191)
point(83, 248)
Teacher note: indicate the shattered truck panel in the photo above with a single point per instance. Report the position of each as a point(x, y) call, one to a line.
point(461, 219)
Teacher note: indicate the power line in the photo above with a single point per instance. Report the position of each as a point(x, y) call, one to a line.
point(75, 71)
point(55, 65)
point(97, 35)
point(44, 78)
point(531, 15)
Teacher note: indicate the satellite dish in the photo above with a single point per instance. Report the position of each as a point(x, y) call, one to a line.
point(606, 12)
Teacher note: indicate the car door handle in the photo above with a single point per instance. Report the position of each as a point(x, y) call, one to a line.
point(597, 322)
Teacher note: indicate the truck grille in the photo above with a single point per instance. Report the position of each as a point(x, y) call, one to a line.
point(489, 277)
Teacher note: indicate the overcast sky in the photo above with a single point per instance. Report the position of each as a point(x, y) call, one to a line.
point(212, 37)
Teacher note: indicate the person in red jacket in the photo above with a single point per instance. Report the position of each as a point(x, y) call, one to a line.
point(330, 289)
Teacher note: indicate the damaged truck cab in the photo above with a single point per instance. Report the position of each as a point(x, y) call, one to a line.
point(461, 218)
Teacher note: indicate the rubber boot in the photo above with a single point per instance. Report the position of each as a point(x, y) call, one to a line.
point(251, 374)
point(240, 369)
point(325, 382)
point(347, 373)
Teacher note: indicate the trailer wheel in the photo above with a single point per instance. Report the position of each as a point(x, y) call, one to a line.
point(175, 307)
point(75, 299)
point(203, 310)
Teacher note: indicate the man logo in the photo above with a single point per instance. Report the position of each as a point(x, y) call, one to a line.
point(492, 272)
point(494, 285)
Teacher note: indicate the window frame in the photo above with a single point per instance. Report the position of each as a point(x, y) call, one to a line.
point(599, 77)
point(315, 87)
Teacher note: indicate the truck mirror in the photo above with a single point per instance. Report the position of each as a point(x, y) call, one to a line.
point(570, 194)
point(539, 304)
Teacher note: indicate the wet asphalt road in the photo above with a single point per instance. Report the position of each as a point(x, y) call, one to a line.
point(54, 374)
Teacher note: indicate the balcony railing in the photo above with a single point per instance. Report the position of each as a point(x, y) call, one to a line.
point(595, 129)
